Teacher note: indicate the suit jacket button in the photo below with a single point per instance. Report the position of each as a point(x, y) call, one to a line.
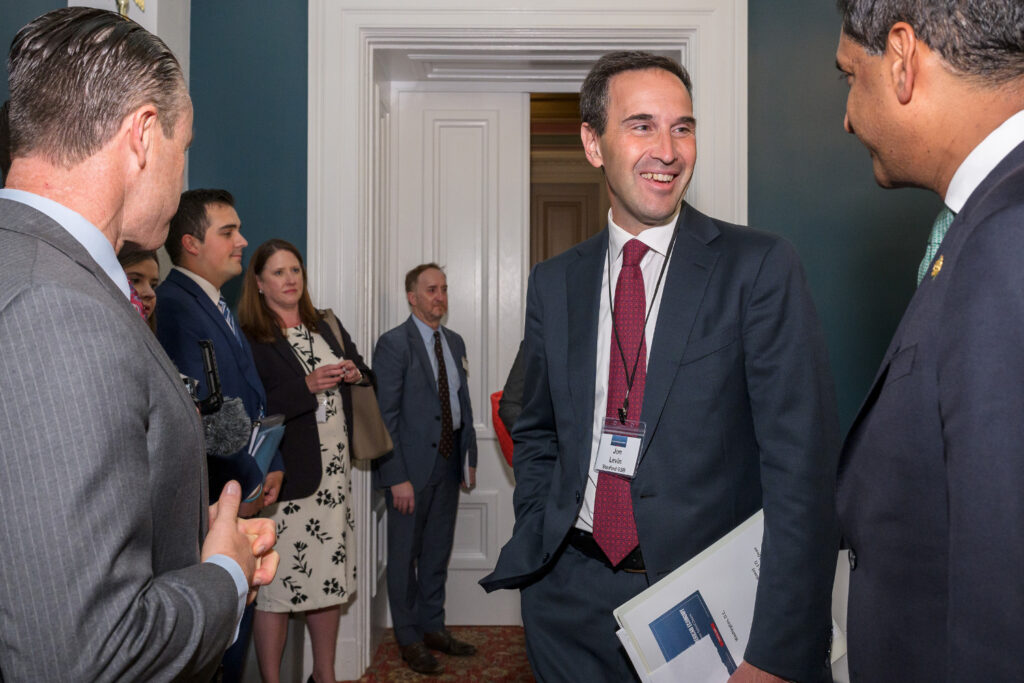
point(577, 496)
point(437, 417)
point(547, 556)
point(853, 560)
point(433, 445)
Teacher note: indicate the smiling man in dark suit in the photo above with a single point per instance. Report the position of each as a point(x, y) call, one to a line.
point(111, 571)
point(715, 357)
point(421, 372)
point(205, 243)
point(931, 474)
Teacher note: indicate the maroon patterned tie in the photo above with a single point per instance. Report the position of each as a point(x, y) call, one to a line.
point(614, 527)
point(137, 301)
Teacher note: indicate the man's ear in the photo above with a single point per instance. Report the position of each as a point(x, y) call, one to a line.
point(142, 125)
point(591, 145)
point(190, 243)
point(410, 297)
point(903, 51)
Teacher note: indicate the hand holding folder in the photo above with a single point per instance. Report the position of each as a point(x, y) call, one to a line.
point(265, 439)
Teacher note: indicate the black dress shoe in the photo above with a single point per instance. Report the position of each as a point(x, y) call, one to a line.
point(419, 659)
point(444, 641)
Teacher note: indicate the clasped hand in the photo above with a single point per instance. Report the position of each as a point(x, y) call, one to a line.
point(249, 542)
point(328, 376)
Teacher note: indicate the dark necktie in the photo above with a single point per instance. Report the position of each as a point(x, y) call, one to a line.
point(136, 300)
point(614, 526)
point(447, 442)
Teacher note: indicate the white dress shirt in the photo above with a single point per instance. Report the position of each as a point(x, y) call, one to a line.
point(658, 239)
point(983, 159)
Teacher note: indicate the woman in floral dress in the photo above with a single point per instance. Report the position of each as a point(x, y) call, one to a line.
point(306, 372)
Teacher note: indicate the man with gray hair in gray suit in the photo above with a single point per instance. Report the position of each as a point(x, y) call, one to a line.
point(114, 569)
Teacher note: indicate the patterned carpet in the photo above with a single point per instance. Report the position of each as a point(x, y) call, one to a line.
point(501, 657)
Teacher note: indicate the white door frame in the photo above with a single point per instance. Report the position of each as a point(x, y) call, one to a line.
point(347, 225)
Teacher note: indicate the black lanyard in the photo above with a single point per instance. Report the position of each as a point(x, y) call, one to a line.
point(630, 376)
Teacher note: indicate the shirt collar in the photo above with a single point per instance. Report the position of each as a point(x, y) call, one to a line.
point(426, 331)
point(657, 238)
point(983, 159)
point(203, 283)
point(84, 232)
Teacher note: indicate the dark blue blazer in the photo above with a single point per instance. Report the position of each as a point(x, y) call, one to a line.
point(411, 408)
point(932, 473)
point(186, 316)
point(740, 414)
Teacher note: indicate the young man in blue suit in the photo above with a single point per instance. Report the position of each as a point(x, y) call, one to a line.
point(424, 398)
point(205, 243)
point(931, 475)
point(713, 362)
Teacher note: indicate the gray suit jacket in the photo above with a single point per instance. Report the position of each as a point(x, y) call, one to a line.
point(407, 393)
point(740, 414)
point(102, 480)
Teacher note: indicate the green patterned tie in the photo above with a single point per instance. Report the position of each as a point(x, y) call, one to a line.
point(939, 229)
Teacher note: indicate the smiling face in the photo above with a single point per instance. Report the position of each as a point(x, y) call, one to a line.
point(218, 257)
point(145, 276)
point(871, 112)
point(281, 281)
point(648, 149)
point(429, 298)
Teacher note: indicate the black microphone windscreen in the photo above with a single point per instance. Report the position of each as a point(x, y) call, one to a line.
point(227, 430)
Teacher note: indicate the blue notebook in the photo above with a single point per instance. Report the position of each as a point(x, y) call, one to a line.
point(265, 439)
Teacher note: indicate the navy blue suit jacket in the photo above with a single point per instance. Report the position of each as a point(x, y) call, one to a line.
point(932, 473)
point(740, 414)
point(187, 315)
point(411, 408)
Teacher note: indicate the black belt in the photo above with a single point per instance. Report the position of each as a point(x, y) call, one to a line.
point(585, 543)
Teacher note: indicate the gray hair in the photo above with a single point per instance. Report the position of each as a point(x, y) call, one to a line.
point(983, 39)
point(76, 72)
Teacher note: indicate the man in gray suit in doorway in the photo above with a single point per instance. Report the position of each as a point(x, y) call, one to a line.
point(424, 399)
point(114, 569)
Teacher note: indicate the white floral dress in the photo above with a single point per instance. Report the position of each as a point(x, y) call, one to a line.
point(316, 535)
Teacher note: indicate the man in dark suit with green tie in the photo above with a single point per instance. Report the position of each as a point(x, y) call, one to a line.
point(931, 475)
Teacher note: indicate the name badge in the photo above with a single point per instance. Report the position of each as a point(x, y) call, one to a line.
point(619, 447)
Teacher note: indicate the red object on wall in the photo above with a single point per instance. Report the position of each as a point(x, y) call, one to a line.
point(504, 438)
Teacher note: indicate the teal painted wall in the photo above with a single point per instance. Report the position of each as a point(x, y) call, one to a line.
point(812, 183)
point(13, 15)
point(248, 84)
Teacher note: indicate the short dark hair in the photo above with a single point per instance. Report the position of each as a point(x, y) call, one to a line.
point(594, 93)
point(976, 38)
point(5, 142)
point(76, 72)
point(191, 218)
point(413, 275)
point(131, 253)
point(255, 316)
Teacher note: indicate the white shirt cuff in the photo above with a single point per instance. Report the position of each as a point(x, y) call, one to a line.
point(241, 585)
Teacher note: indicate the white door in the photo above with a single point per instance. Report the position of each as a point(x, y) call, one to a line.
point(459, 197)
